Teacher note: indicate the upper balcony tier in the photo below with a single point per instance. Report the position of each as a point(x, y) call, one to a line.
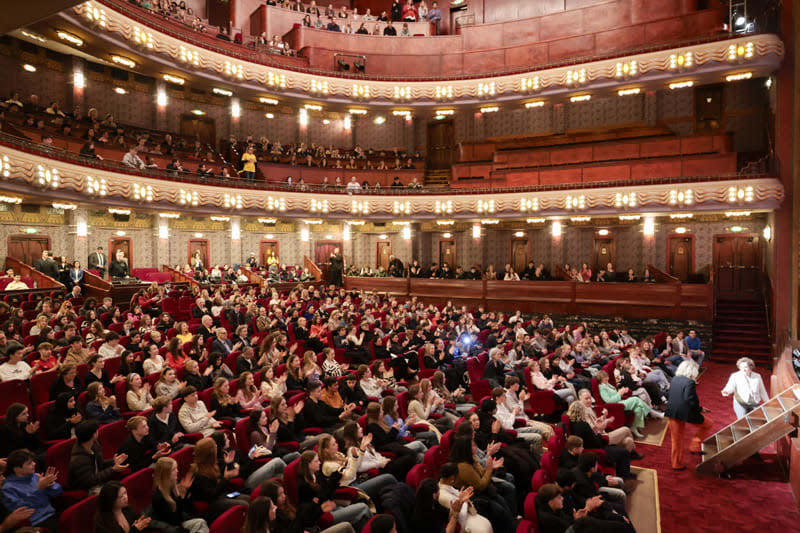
point(552, 54)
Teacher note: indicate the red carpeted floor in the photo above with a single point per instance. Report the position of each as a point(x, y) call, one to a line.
point(757, 499)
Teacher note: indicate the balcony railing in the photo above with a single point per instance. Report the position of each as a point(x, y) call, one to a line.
point(114, 166)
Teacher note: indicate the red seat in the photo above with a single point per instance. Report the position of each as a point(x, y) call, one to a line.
point(542, 402)
point(41, 415)
point(540, 477)
point(417, 474)
point(184, 458)
point(617, 410)
point(111, 436)
point(140, 488)
point(479, 390)
point(550, 464)
point(58, 456)
point(16, 391)
point(530, 508)
point(76, 517)
point(40, 386)
point(242, 433)
point(231, 520)
point(290, 481)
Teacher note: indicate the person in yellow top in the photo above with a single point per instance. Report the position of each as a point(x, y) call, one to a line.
point(249, 161)
point(272, 259)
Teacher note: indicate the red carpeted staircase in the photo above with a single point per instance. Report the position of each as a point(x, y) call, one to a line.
point(740, 330)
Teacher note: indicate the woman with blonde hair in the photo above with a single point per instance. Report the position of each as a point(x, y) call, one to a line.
point(138, 397)
point(182, 332)
point(222, 403)
point(347, 465)
point(610, 394)
point(311, 370)
point(313, 486)
point(170, 502)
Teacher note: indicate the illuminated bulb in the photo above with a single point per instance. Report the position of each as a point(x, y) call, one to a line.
point(476, 231)
point(556, 229)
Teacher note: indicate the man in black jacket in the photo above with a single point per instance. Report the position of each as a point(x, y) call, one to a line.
point(47, 266)
point(319, 414)
point(141, 449)
point(164, 425)
point(87, 469)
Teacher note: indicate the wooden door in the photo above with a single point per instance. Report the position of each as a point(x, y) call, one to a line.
point(201, 128)
point(26, 248)
point(267, 248)
point(519, 254)
point(384, 250)
point(447, 253)
point(737, 264)
point(198, 245)
point(441, 142)
point(680, 254)
point(324, 249)
point(124, 244)
point(605, 252)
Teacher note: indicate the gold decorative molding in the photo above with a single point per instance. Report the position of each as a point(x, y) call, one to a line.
point(567, 78)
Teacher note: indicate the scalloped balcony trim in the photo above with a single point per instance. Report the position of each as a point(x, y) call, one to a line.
point(189, 56)
point(24, 172)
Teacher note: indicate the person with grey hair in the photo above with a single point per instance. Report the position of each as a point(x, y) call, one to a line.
point(746, 386)
point(683, 405)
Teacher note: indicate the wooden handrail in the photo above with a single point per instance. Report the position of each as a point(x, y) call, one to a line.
point(42, 281)
point(661, 276)
point(560, 274)
point(312, 268)
point(180, 277)
point(95, 286)
point(252, 277)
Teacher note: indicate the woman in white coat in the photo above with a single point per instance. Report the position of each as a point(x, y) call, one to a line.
point(746, 386)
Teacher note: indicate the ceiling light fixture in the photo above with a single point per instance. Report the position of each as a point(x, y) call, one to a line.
point(268, 101)
point(581, 98)
point(681, 85)
point(124, 61)
point(531, 105)
point(70, 38)
point(222, 92)
point(28, 67)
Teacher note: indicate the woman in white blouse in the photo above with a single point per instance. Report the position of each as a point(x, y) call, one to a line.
point(746, 386)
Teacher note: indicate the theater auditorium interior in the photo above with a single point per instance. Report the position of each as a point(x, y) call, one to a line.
point(399, 266)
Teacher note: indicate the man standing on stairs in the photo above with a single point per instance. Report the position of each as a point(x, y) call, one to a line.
point(683, 406)
point(746, 386)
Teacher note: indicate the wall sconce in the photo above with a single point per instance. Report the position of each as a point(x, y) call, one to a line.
point(767, 233)
point(476, 231)
point(82, 228)
point(304, 235)
point(649, 226)
point(556, 229)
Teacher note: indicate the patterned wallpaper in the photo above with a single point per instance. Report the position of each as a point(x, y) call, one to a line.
point(135, 108)
point(494, 247)
point(605, 112)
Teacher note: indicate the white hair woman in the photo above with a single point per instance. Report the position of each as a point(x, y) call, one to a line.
point(746, 386)
point(683, 406)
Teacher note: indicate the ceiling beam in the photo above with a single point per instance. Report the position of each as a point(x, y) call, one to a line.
point(31, 11)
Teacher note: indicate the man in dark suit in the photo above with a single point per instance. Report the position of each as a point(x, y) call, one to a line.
point(47, 266)
point(683, 406)
point(205, 329)
point(396, 268)
point(98, 261)
point(223, 344)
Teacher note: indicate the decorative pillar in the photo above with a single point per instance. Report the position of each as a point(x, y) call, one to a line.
point(78, 221)
point(160, 103)
point(650, 111)
point(160, 242)
point(559, 118)
point(75, 97)
point(557, 230)
point(235, 249)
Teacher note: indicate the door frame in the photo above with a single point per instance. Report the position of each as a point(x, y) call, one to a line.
point(261, 244)
point(28, 236)
point(758, 236)
point(130, 250)
point(206, 259)
point(511, 250)
point(613, 240)
point(455, 251)
point(378, 244)
point(326, 241)
point(692, 266)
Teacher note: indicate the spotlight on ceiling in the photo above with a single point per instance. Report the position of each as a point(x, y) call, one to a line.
point(359, 66)
point(344, 65)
